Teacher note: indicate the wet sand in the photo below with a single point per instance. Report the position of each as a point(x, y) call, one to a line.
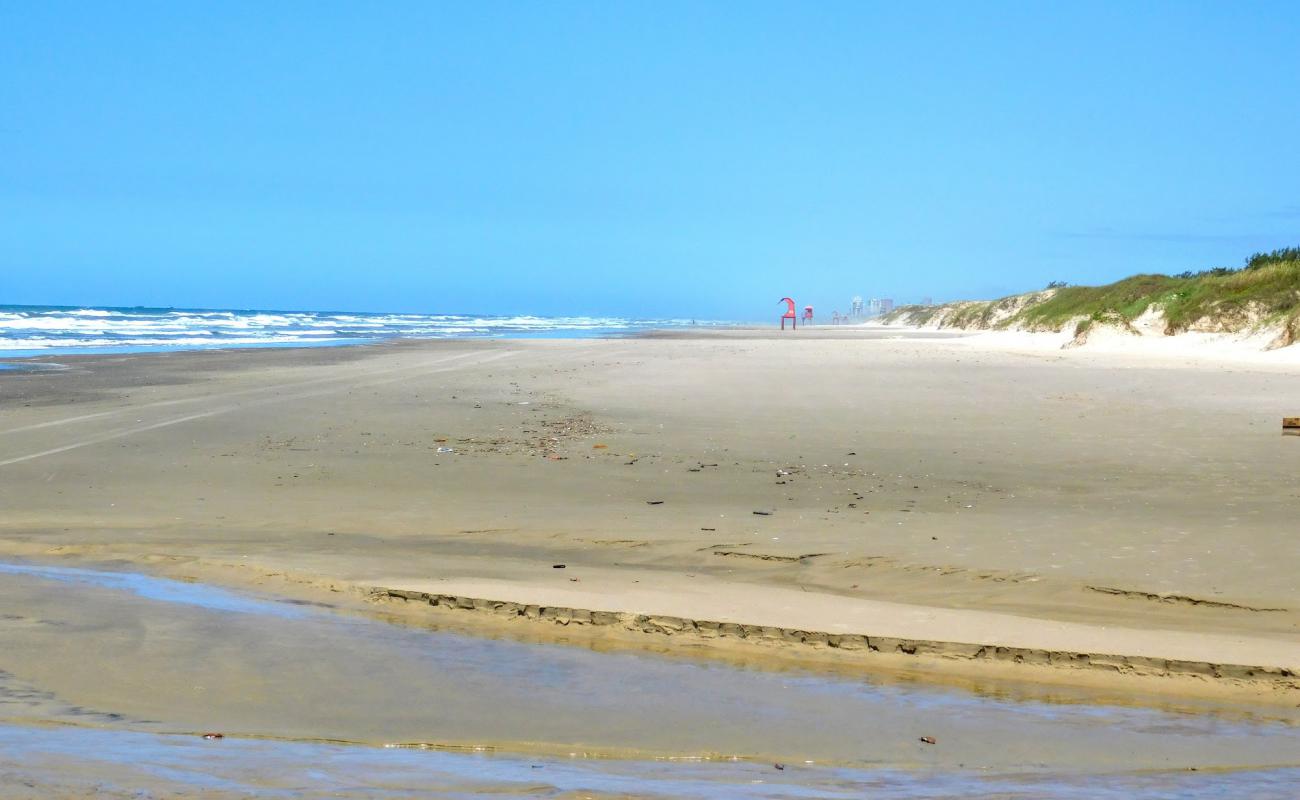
point(131, 670)
point(1149, 504)
point(76, 762)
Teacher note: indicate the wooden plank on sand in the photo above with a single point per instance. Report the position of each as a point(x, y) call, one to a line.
point(1291, 422)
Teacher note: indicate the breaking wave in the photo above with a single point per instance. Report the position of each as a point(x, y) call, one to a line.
point(45, 329)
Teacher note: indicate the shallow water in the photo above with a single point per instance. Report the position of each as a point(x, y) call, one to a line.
point(157, 661)
point(160, 589)
point(127, 762)
point(29, 366)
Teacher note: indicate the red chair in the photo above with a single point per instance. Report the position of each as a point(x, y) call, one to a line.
point(789, 314)
point(807, 315)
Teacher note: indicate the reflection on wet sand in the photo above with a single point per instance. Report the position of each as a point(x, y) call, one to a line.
point(120, 764)
point(151, 663)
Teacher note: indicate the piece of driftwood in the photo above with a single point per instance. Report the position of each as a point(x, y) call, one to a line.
point(1290, 422)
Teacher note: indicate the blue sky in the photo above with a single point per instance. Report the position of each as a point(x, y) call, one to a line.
point(654, 159)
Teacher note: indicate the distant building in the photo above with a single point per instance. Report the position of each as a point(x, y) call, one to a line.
point(886, 306)
point(855, 309)
point(873, 307)
point(927, 301)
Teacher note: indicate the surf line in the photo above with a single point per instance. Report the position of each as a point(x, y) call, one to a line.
point(124, 432)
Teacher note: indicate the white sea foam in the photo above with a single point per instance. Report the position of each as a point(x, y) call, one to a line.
point(43, 329)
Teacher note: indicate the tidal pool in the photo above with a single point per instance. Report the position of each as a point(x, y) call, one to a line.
point(112, 676)
point(128, 763)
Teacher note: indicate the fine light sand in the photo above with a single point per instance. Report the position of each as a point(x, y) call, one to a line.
point(1068, 508)
point(1144, 340)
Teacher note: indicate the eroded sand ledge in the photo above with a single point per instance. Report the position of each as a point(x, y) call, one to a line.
point(1255, 676)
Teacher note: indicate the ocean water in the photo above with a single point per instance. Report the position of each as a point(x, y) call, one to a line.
point(48, 330)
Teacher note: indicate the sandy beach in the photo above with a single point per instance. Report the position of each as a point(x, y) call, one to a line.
point(860, 497)
point(649, 401)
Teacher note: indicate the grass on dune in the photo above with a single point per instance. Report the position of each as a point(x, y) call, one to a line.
point(1125, 299)
point(1266, 289)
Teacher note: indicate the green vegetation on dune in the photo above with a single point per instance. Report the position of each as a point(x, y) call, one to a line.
point(985, 314)
point(1270, 290)
point(1266, 291)
point(1124, 300)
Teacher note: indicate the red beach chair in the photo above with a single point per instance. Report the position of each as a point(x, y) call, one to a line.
point(789, 314)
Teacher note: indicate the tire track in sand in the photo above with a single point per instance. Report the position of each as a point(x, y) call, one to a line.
point(406, 373)
point(132, 409)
